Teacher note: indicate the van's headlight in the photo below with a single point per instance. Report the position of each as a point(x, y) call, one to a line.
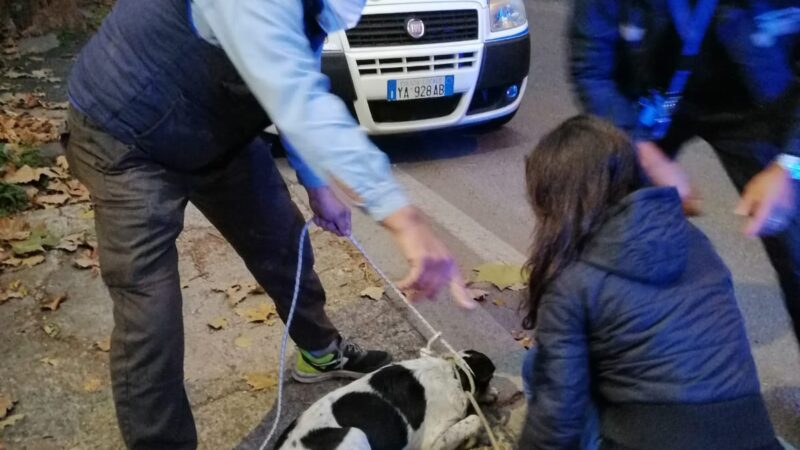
point(333, 43)
point(506, 14)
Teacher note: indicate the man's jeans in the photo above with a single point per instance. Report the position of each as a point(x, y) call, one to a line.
point(590, 439)
point(139, 210)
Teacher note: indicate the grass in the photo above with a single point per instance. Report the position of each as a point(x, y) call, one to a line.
point(12, 199)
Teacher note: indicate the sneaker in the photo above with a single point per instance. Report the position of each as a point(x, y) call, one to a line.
point(348, 361)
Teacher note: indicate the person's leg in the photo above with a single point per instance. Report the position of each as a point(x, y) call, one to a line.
point(138, 215)
point(248, 201)
point(742, 161)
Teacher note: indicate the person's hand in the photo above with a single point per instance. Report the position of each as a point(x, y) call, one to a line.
point(329, 212)
point(768, 200)
point(663, 171)
point(431, 265)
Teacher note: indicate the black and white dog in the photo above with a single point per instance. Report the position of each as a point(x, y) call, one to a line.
point(416, 404)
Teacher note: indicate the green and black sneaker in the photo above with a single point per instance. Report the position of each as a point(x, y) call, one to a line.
point(348, 361)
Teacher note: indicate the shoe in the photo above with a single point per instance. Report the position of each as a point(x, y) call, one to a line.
point(348, 361)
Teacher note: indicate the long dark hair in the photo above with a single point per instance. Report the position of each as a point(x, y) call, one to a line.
point(573, 175)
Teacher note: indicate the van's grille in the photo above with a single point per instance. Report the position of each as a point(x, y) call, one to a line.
point(378, 30)
point(449, 62)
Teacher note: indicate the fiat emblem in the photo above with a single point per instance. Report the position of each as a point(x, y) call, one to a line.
point(415, 27)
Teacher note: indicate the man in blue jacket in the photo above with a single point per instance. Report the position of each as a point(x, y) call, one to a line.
point(168, 99)
point(741, 97)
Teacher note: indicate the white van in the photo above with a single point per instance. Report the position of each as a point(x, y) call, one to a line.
point(417, 65)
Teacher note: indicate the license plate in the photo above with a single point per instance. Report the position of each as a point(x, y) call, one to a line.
point(418, 88)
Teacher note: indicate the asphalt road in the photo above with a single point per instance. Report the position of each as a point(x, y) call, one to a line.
point(473, 186)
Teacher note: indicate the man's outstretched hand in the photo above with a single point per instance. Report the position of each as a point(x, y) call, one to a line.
point(768, 200)
point(329, 212)
point(431, 265)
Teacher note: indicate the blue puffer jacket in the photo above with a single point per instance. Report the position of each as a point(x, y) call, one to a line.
point(647, 324)
point(745, 78)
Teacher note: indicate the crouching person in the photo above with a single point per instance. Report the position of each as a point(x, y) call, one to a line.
point(641, 345)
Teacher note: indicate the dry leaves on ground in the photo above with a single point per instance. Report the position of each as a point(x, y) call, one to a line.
point(54, 303)
point(478, 295)
point(52, 330)
point(14, 229)
point(258, 381)
point(499, 302)
point(237, 293)
point(92, 384)
point(262, 313)
point(243, 342)
point(104, 345)
point(27, 128)
point(501, 275)
point(220, 323)
point(6, 405)
point(373, 292)
point(38, 240)
point(15, 290)
point(10, 421)
point(52, 362)
point(87, 259)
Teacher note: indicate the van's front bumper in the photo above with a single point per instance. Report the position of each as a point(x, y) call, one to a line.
point(490, 81)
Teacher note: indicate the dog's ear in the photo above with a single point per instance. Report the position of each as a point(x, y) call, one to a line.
point(482, 370)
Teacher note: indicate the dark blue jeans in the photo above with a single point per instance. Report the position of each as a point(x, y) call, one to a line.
point(139, 205)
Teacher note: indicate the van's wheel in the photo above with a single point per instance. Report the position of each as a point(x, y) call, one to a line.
point(496, 124)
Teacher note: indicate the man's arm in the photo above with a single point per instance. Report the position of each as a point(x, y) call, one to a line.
point(266, 42)
point(594, 35)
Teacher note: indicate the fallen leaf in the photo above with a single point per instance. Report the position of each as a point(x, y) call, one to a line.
point(6, 405)
point(527, 342)
point(14, 229)
point(11, 262)
point(518, 335)
point(373, 292)
point(259, 314)
point(503, 276)
point(49, 361)
point(52, 330)
point(243, 342)
point(518, 287)
point(58, 186)
point(235, 294)
point(36, 242)
point(92, 385)
point(52, 199)
point(23, 175)
point(220, 323)
point(478, 295)
point(87, 260)
point(259, 381)
point(55, 303)
point(72, 242)
point(499, 302)
point(87, 214)
point(254, 289)
point(61, 162)
point(104, 345)
point(32, 261)
point(44, 75)
point(10, 421)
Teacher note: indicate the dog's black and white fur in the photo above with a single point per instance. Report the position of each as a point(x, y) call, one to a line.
point(416, 404)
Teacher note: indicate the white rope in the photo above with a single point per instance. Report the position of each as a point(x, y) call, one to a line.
point(454, 356)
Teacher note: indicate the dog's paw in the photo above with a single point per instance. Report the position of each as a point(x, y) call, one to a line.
point(490, 396)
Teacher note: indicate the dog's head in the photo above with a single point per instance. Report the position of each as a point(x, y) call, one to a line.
point(482, 372)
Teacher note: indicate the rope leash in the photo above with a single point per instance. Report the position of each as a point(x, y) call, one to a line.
point(435, 336)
